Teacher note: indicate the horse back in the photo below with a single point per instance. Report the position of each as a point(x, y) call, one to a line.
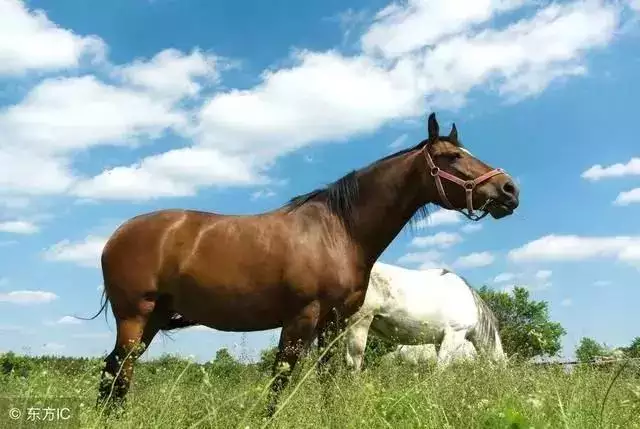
point(428, 294)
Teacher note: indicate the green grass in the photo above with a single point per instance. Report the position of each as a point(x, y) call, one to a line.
point(173, 393)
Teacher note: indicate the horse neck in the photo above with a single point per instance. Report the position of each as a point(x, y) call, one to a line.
point(389, 194)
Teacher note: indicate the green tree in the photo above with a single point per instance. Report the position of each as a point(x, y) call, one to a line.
point(267, 358)
point(223, 357)
point(588, 349)
point(224, 362)
point(524, 325)
point(633, 351)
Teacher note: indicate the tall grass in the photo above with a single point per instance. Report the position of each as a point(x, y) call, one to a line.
point(176, 393)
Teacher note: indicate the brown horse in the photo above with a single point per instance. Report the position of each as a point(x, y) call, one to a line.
point(300, 267)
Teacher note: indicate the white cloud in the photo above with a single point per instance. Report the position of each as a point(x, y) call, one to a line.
point(28, 297)
point(424, 260)
point(29, 41)
point(68, 320)
point(504, 277)
point(25, 171)
point(400, 29)
point(628, 197)
point(511, 57)
point(262, 193)
point(471, 227)
point(325, 96)
point(474, 260)
point(543, 274)
point(18, 227)
point(441, 239)
point(577, 248)
point(322, 96)
point(399, 141)
point(440, 217)
point(171, 74)
point(63, 114)
point(175, 173)
point(597, 172)
point(84, 253)
point(567, 302)
point(602, 283)
point(631, 254)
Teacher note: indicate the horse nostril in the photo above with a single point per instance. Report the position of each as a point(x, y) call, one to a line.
point(509, 188)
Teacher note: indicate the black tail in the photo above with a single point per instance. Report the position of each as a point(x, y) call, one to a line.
point(103, 306)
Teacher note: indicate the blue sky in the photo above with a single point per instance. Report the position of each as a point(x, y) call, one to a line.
point(111, 109)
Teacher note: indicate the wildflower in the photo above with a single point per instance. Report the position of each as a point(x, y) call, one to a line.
point(283, 366)
point(534, 402)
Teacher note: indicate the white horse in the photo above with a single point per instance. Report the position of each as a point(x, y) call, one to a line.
point(417, 307)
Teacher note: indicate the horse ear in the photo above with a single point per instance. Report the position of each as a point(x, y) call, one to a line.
point(453, 135)
point(433, 127)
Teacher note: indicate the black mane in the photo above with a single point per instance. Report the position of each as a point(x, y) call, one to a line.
point(340, 195)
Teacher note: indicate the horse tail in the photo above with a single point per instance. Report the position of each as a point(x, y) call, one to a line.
point(486, 333)
point(103, 306)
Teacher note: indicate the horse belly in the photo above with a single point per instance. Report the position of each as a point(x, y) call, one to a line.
point(230, 307)
point(405, 330)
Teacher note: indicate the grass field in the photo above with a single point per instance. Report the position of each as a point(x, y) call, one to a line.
point(175, 393)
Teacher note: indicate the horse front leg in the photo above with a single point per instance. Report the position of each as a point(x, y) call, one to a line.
point(295, 338)
point(330, 329)
point(356, 339)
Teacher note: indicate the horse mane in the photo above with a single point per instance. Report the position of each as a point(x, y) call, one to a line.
point(341, 195)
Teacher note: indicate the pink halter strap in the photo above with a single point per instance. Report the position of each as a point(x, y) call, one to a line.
point(468, 185)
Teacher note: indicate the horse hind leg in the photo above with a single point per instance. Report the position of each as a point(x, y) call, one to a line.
point(295, 338)
point(134, 335)
point(452, 344)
